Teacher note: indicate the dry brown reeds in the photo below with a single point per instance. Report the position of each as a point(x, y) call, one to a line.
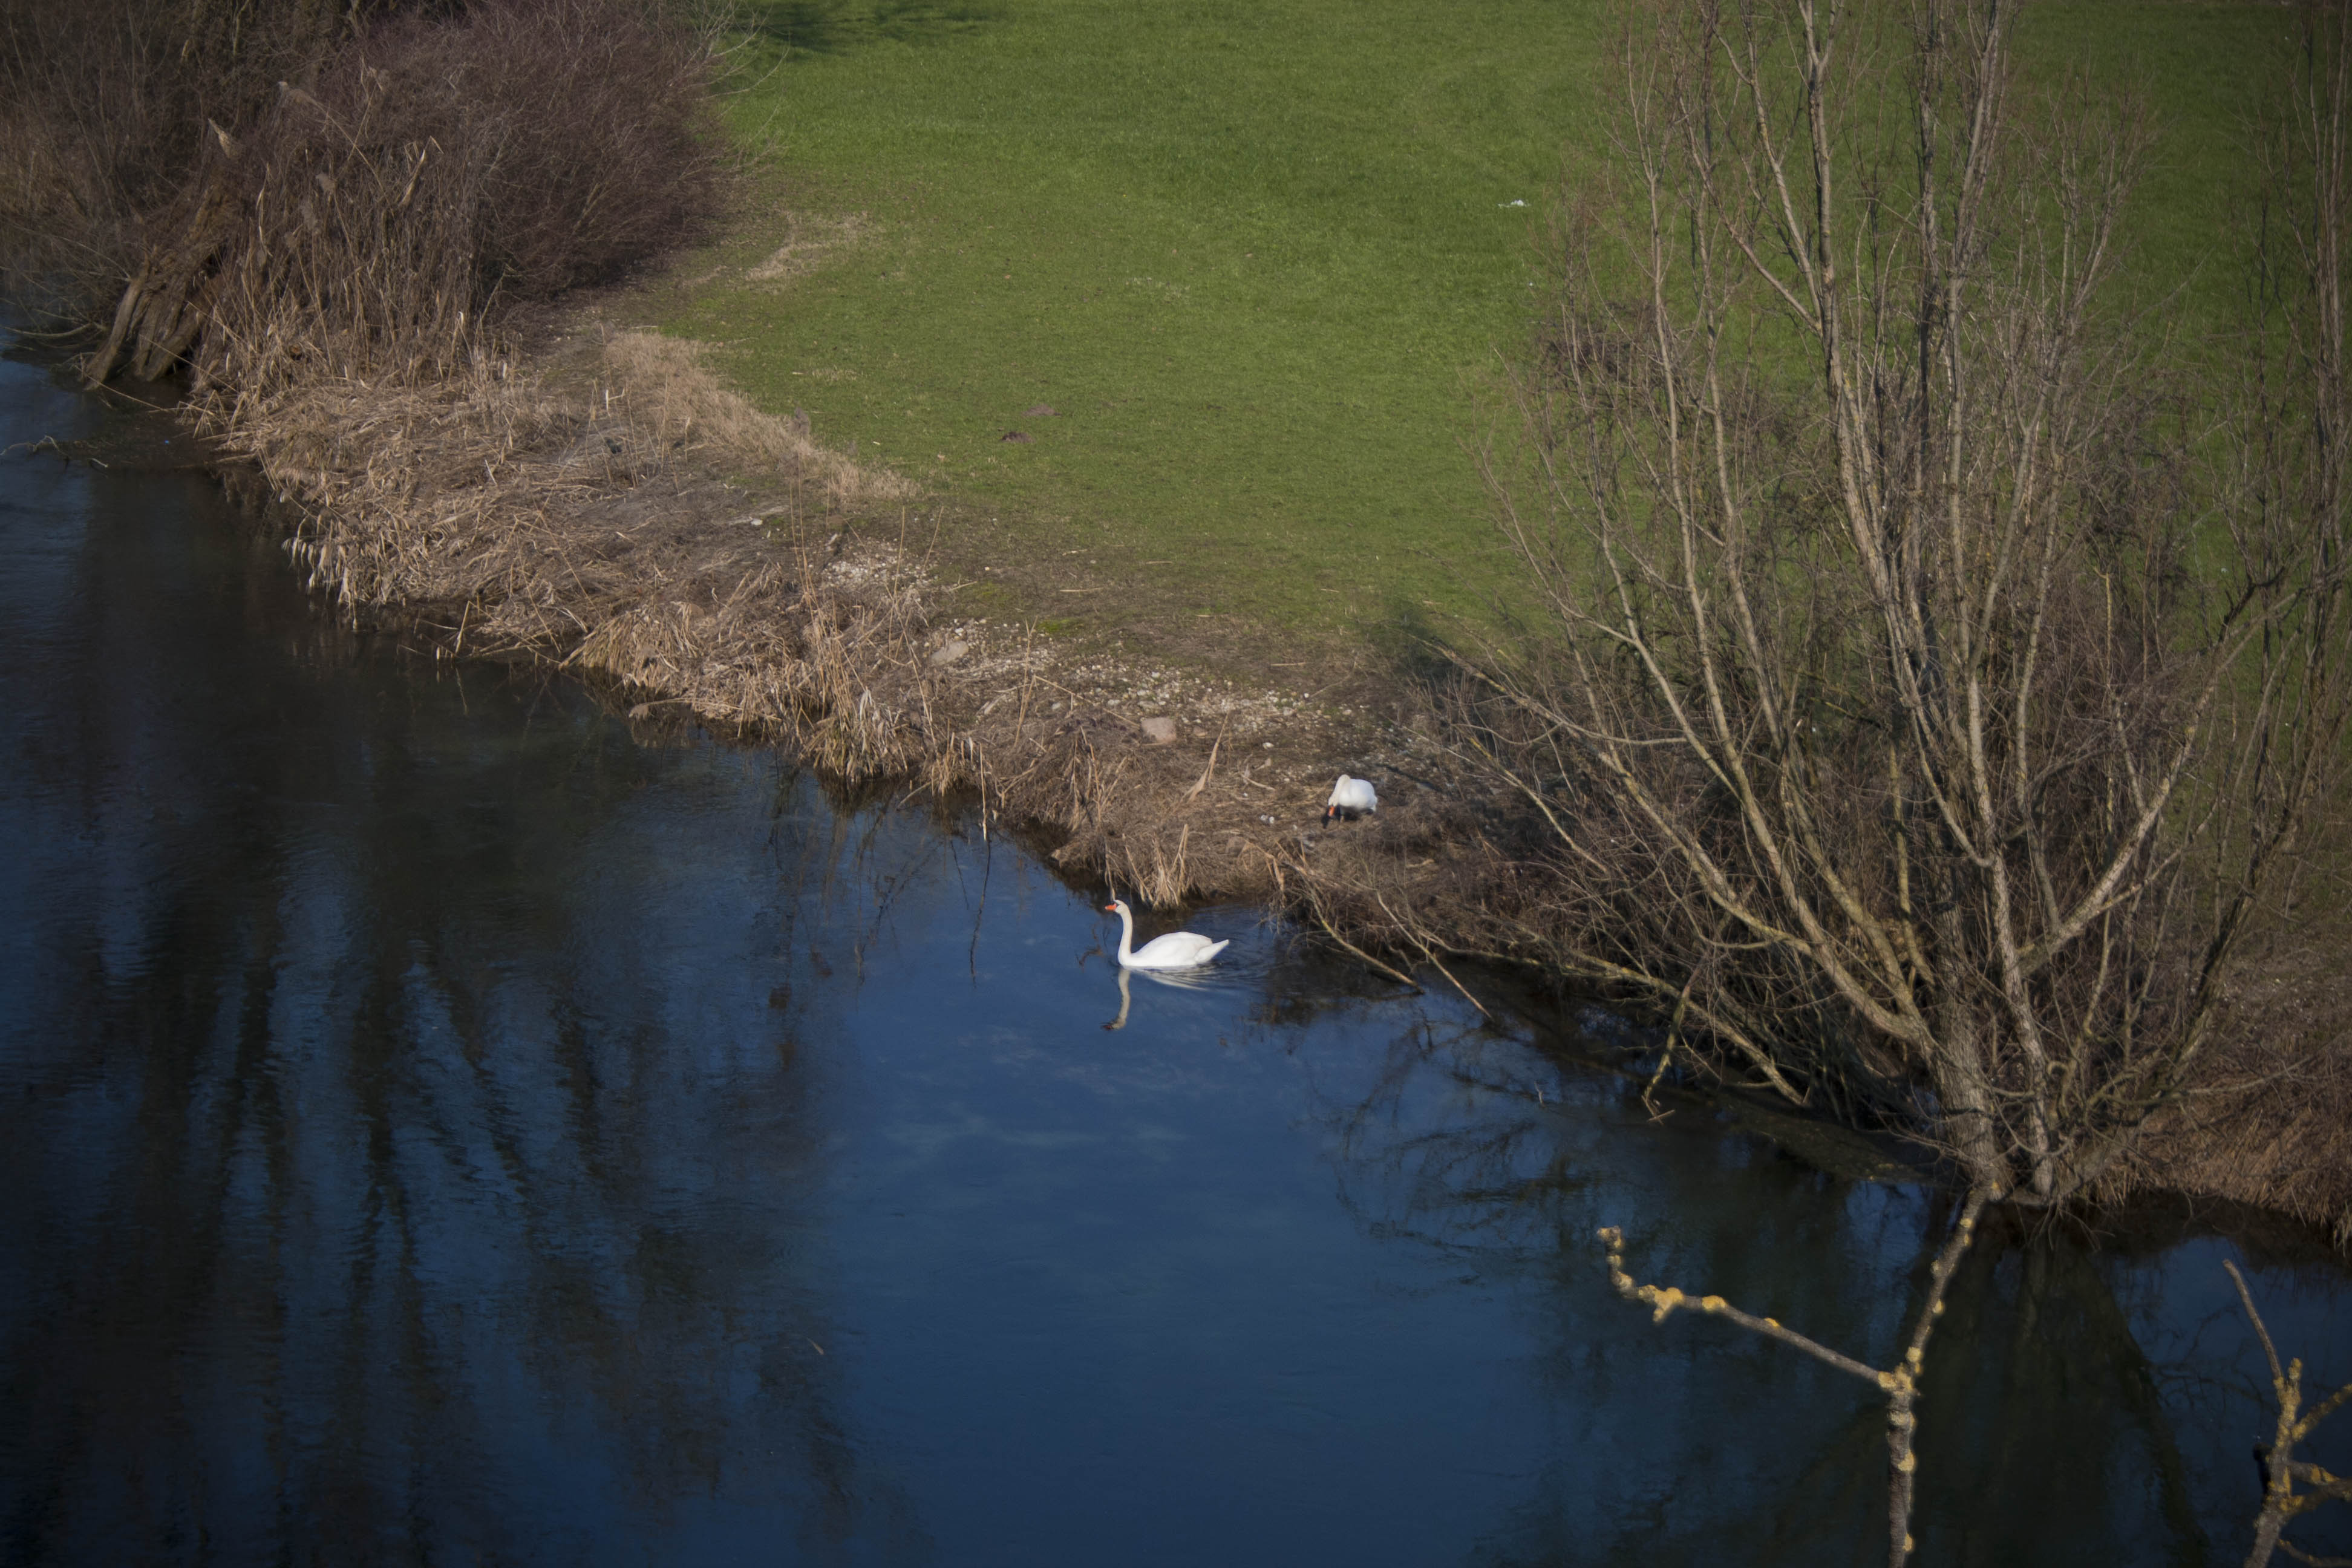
point(634, 520)
point(2271, 1121)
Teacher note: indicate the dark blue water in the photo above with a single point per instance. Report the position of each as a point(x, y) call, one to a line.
point(439, 1126)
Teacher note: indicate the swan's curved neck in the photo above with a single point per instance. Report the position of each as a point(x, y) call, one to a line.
point(1126, 936)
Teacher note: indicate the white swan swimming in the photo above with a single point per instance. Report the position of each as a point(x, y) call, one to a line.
point(1177, 950)
point(1350, 796)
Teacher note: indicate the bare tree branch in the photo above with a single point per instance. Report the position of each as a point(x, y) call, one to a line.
point(1899, 1383)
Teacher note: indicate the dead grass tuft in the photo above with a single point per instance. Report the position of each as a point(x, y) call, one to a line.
point(681, 405)
point(809, 242)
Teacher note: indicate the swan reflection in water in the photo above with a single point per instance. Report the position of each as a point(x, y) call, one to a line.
point(1178, 980)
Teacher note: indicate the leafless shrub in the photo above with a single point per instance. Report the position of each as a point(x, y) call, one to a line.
point(595, 118)
point(103, 112)
point(364, 224)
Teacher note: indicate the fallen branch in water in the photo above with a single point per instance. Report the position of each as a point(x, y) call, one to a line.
point(1900, 1383)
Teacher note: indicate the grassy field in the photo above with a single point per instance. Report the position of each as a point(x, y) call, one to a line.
point(1257, 259)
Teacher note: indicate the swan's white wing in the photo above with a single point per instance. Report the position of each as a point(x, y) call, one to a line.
point(1177, 950)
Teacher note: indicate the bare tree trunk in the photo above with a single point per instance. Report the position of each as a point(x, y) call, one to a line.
point(1965, 1110)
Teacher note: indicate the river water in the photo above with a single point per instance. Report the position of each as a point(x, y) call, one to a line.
point(440, 1127)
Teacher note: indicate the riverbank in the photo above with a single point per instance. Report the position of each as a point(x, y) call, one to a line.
point(599, 500)
point(603, 502)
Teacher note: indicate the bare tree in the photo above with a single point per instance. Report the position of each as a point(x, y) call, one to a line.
point(1923, 689)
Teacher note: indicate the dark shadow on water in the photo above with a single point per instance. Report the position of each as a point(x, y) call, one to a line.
point(355, 1177)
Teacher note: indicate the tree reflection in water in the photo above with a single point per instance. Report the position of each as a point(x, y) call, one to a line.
point(421, 1158)
point(2046, 1434)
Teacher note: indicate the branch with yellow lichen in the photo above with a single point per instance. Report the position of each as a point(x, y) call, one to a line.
point(1900, 1383)
point(2281, 1469)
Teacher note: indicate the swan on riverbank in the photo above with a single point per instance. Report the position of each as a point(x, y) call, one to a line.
point(1177, 950)
point(1350, 796)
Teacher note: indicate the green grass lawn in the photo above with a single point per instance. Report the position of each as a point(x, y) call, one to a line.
point(1257, 258)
